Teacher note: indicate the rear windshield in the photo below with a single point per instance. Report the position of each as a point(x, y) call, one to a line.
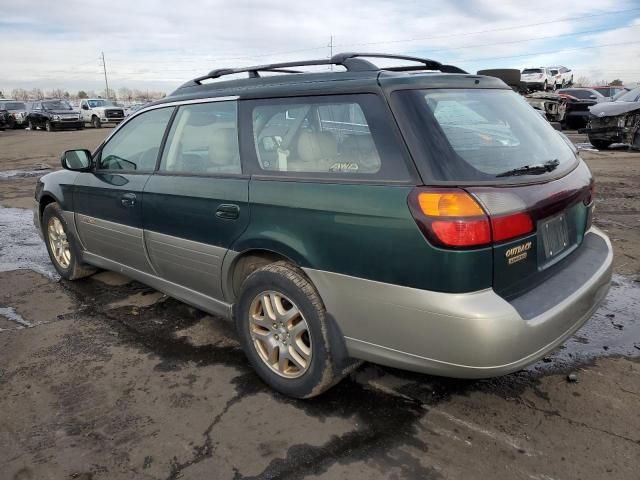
point(471, 135)
point(532, 70)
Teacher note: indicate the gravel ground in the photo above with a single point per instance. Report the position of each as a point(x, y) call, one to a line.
point(105, 378)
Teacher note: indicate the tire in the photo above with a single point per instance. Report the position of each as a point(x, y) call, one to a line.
point(11, 124)
point(71, 268)
point(545, 87)
point(600, 144)
point(31, 126)
point(48, 127)
point(95, 122)
point(312, 332)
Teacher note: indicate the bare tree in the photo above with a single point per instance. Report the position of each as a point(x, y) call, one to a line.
point(582, 82)
point(20, 94)
point(36, 94)
point(616, 83)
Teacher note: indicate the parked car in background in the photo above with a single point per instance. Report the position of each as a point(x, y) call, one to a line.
point(99, 111)
point(619, 94)
point(609, 91)
point(578, 102)
point(538, 79)
point(250, 199)
point(53, 114)
point(563, 76)
point(16, 113)
point(616, 122)
point(4, 116)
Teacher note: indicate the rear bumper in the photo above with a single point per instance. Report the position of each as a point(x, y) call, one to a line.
point(471, 335)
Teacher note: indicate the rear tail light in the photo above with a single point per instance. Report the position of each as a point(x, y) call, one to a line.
point(454, 218)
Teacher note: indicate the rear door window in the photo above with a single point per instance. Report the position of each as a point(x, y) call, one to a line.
point(342, 136)
point(203, 140)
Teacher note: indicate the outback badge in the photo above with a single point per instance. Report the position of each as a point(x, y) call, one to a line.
point(517, 253)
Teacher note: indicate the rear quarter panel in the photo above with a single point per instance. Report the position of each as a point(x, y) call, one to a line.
point(363, 231)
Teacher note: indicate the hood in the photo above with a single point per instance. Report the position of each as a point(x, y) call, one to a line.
point(611, 109)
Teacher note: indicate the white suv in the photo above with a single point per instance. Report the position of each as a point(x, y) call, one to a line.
point(538, 79)
point(562, 76)
point(98, 111)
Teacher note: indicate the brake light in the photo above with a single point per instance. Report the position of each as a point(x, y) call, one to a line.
point(511, 226)
point(454, 218)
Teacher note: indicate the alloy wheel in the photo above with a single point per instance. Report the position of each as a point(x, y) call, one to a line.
point(280, 334)
point(58, 242)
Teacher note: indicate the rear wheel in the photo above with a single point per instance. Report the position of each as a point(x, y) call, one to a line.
point(600, 144)
point(283, 329)
point(63, 248)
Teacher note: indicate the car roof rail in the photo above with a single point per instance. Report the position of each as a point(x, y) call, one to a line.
point(351, 61)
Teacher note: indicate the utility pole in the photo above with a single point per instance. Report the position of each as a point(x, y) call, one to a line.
point(331, 50)
point(106, 82)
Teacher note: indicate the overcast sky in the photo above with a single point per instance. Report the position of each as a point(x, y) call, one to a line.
point(151, 44)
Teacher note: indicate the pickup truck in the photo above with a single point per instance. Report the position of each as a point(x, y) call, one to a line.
point(99, 111)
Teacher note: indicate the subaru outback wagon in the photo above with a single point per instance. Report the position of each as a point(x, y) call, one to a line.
point(414, 216)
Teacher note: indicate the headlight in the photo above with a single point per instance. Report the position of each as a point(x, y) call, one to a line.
point(56, 117)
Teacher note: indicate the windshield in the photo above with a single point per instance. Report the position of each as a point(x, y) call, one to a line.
point(554, 72)
point(477, 135)
point(100, 103)
point(532, 70)
point(630, 96)
point(15, 106)
point(57, 105)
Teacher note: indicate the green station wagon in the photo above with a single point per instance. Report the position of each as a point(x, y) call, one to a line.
point(414, 216)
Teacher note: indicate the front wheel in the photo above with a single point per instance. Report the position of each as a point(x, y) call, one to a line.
point(95, 122)
point(62, 246)
point(31, 126)
point(48, 127)
point(283, 329)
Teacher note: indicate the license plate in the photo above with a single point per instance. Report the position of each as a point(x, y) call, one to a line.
point(555, 235)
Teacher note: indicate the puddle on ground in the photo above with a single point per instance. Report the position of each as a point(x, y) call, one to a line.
point(613, 330)
point(10, 314)
point(20, 245)
point(35, 171)
point(591, 148)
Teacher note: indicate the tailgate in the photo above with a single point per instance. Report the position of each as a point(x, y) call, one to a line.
point(560, 211)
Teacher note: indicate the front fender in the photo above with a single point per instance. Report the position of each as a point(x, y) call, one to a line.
point(59, 186)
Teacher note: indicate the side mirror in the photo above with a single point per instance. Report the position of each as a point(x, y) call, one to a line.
point(76, 160)
point(85, 107)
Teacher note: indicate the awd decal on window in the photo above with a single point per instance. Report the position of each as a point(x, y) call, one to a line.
point(516, 254)
point(344, 167)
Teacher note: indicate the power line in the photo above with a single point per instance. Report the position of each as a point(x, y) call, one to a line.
point(520, 41)
point(548, 52)
point(493, 29)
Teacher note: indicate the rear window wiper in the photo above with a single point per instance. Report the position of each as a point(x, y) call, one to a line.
point(531, 169)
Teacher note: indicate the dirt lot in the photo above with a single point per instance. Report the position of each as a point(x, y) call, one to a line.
point(105, 378)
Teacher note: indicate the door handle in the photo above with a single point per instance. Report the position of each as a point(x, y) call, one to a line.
point(228, 211)
point(128, 199)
